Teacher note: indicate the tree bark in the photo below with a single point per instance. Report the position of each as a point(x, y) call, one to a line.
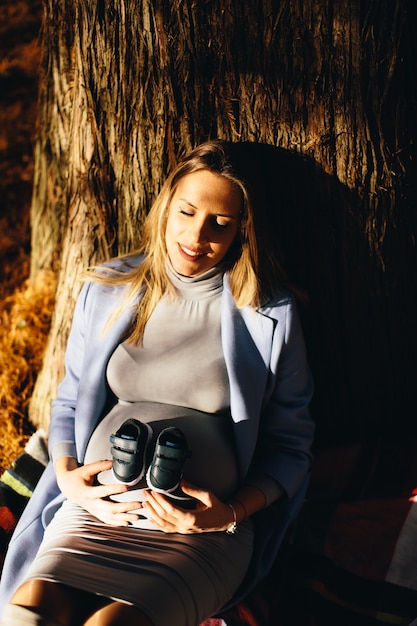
point(127, 86)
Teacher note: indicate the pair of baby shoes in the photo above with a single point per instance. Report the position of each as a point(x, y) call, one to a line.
point(129, 446)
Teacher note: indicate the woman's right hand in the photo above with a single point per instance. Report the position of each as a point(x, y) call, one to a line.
point(77, 484)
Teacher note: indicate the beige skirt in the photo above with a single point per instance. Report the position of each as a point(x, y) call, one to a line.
point(172, 578)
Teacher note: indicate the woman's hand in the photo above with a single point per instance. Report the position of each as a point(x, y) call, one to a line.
point(209, 515)
point(77, 484)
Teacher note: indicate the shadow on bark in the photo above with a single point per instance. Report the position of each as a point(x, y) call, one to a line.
point(359, 311)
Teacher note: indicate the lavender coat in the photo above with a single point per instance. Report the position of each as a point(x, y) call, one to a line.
point(270, 389)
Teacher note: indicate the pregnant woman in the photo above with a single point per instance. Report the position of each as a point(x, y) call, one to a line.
point(185, 359)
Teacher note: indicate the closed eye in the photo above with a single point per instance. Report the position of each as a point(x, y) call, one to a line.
point(218, 222)
point(220, 225)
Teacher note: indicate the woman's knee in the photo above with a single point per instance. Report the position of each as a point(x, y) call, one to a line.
point(52, 601)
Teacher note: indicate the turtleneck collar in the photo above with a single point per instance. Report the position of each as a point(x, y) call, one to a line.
point(204, 285)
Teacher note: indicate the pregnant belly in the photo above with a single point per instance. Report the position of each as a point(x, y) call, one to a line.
point(212, 464)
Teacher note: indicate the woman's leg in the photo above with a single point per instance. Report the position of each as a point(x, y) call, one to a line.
point(53, 601)
point(66, 606)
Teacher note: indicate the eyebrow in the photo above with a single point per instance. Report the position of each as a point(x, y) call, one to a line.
point(232, 217)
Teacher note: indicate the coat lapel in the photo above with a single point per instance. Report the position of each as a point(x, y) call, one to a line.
point(247, 339)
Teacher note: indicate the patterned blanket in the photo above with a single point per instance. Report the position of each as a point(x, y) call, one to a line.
point(354, 558)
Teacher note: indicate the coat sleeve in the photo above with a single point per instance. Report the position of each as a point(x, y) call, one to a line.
point(286, 429)
point(62, 429)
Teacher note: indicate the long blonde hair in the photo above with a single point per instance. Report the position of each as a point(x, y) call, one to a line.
point(253, 268)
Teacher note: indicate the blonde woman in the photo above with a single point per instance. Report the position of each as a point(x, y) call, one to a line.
point(193, 344)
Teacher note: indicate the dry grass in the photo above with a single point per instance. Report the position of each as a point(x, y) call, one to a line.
point(24, 324)
point(24, 309)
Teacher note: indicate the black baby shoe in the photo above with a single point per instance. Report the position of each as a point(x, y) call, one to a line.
point(129, 450)
point(171, 451)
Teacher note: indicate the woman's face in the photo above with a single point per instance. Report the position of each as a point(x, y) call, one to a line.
point(203, 221)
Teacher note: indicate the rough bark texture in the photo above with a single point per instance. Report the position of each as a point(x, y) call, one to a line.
point(128, 85)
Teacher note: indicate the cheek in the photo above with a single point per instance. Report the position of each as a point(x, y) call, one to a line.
point(225, 246)
point(170, 230)
point(232, 238)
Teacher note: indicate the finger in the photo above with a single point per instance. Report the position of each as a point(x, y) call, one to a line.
point(170, 517)
point(105, 491)
point(119, 520)
point(165, 506)
point(129, 517)
point(159, 518)
point(117, 513)
point(154, 514)
point(117, 508)
point(202, 495)
point(158, 503)
point(159, 507)
point(92, 469)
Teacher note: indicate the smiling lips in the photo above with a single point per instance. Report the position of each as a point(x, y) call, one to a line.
point(190, 254)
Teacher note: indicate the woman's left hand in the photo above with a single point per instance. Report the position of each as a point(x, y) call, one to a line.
point(209, 515)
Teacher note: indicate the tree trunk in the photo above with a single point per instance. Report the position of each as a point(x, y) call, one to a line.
point(127, 86)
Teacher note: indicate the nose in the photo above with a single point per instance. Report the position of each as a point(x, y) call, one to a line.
point(200, 230)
